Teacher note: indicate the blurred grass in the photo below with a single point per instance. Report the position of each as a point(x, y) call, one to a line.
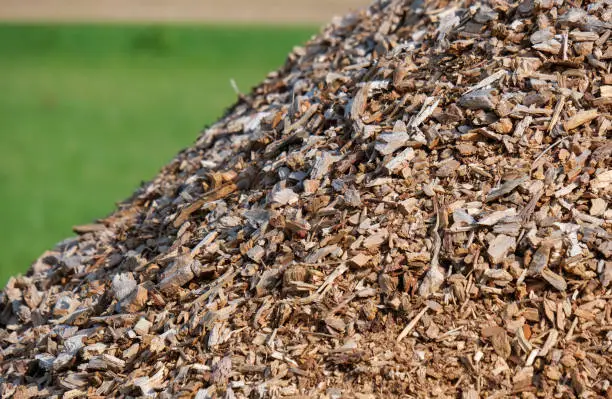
point(89, 112)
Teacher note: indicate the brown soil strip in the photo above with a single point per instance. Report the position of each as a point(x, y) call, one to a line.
point(241, 11)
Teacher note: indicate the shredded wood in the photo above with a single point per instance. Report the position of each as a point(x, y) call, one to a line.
point(415, 205)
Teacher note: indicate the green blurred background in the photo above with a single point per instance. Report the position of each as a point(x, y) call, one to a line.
point(88, 112)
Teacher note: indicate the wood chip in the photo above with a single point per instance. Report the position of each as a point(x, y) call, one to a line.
point(554, 279)
point(580, 118)
point(500, 246)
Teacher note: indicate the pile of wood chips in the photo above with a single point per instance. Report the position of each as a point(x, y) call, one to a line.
point(416, 204)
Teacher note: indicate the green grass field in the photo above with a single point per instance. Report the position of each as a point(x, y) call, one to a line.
point(89, 112)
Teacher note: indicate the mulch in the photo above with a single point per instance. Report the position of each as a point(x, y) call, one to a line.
point(415, 205)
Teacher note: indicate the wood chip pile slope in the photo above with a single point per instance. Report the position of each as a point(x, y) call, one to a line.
point(416, 204)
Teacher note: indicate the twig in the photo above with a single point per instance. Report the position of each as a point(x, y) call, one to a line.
point(487, 81)
point(235, 87)
point(330, 279)
point(437, 240)
point(321, 291)
point(412, 324)
point(238, 92)
point(556, 113)
point(550, 147)
point(434, 277)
